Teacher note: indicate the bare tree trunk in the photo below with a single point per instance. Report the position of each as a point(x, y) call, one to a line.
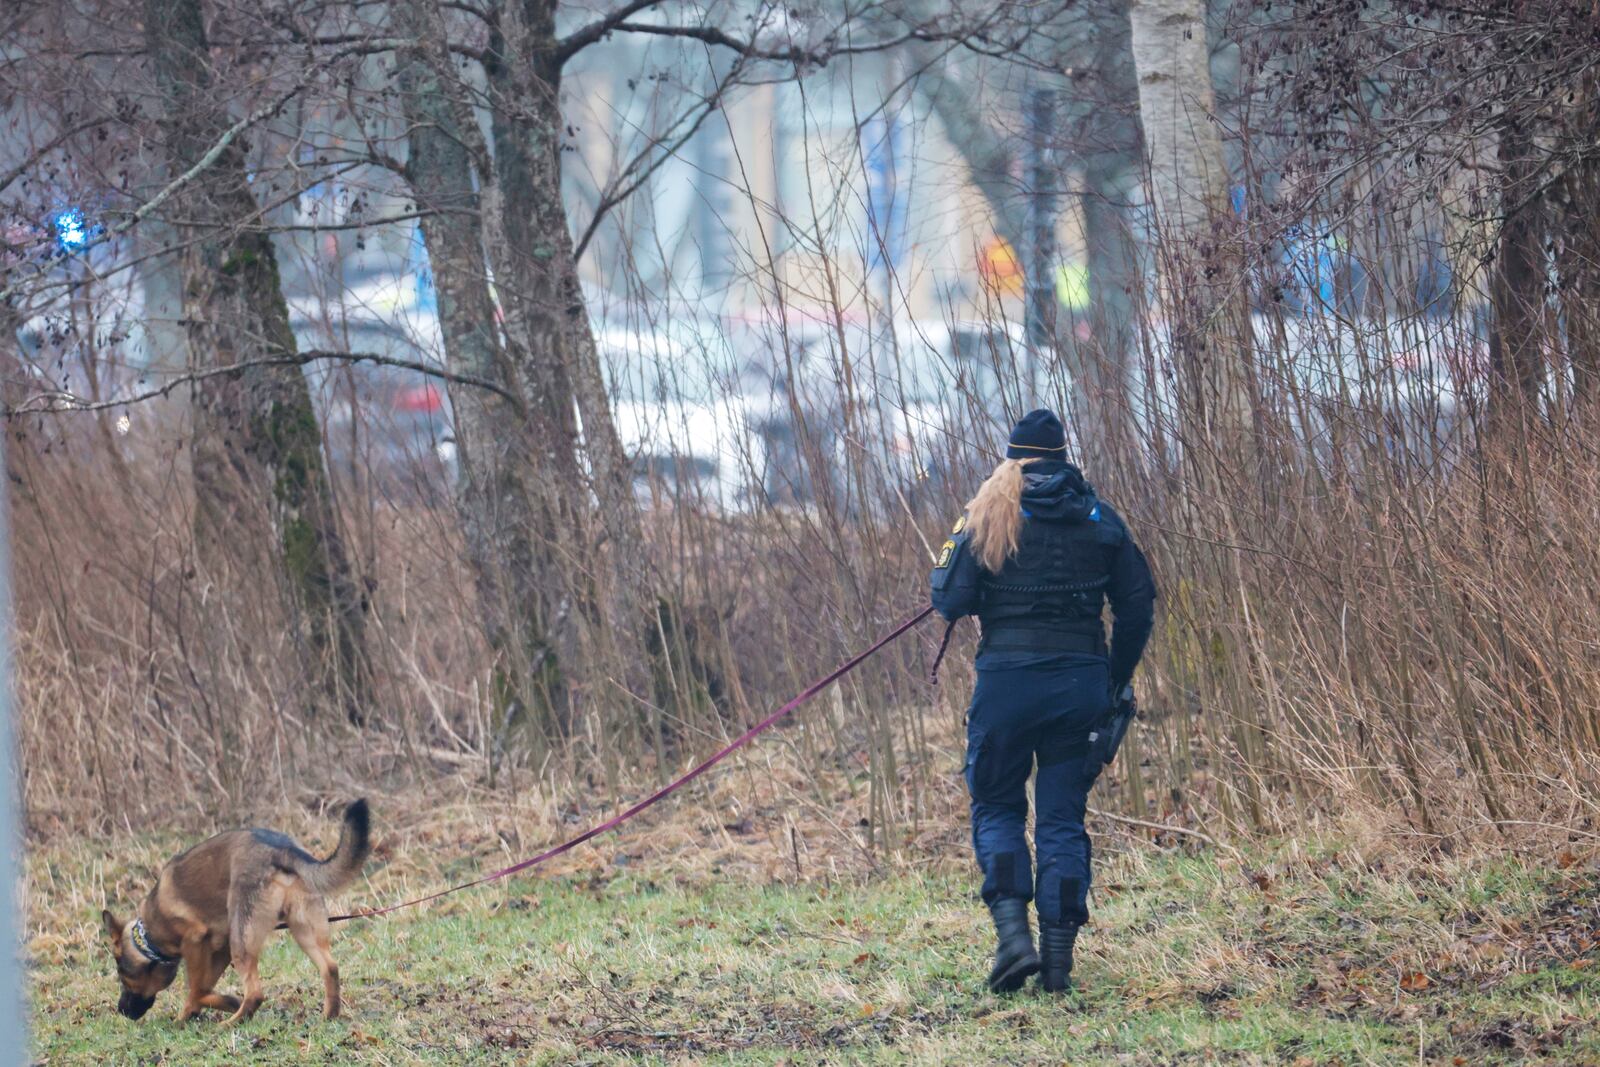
point(1103, 128)
point(530, 240)
point(1203, 298)
point(508, 489)
point(1580, 277)
point(1516, 360)
point(1177, 110)
point(551, 343)
point(257, 453)
point(546, 494)
point(1113, 262)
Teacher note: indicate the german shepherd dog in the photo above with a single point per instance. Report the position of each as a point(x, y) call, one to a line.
point(216, 903)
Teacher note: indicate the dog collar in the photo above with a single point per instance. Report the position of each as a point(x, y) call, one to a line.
point(141, 941)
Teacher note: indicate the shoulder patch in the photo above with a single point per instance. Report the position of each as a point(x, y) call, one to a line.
point(961, 524)
point(945, 555)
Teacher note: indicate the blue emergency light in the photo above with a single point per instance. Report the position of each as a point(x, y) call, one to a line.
point(72, 231)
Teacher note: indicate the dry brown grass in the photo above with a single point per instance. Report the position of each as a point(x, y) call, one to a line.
point(1344, 631)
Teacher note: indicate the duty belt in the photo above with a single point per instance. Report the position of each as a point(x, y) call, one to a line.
point(1018, 639)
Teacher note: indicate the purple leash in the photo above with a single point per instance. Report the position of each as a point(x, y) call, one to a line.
point(672, 787)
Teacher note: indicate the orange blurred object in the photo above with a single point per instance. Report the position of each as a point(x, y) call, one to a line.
point(1000, 268)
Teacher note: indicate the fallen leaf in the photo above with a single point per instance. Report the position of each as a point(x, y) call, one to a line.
point(866, 1009)
point(863, 958)
point(1565, 860)
point(1415, 982)
point(1579, 965)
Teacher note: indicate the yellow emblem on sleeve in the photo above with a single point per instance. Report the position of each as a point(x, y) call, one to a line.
point(945, 553)
point(961, 524)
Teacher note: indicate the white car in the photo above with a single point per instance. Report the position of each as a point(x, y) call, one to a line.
point(679, 406)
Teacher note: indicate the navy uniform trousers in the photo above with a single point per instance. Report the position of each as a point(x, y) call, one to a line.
point(1021, 715)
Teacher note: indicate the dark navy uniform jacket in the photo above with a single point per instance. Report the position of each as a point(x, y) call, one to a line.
point(1045, 605)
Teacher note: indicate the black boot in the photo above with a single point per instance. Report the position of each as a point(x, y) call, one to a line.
point(1014, 956)
point(1055, 955)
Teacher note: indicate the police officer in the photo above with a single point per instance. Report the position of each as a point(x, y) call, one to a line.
point(1035, 558)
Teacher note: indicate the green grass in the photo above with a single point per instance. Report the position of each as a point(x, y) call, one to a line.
point(1336, 958)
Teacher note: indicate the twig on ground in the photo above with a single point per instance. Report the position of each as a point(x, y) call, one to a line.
point(1201, 834)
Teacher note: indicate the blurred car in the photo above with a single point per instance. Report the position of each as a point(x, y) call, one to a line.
point(679, 406)
point(388, 422)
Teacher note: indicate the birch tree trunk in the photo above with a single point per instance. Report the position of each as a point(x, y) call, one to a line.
point(257, 450)
point(1202, 288)
point(1177, 109)
point(1205, 301)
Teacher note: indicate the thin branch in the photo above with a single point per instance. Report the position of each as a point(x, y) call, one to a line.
point(60, 401)
point(357, 224)
point(1185, 831)
point(796, 54)
point(72, 131)
point(584, 36)
point(620, 192)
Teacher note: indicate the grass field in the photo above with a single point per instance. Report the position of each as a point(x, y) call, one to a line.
point(1328, 956)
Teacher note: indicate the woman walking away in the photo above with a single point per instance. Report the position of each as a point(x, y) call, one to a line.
point(1035, 558)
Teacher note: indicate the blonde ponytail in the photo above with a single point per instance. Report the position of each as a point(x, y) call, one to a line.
point(994, 515)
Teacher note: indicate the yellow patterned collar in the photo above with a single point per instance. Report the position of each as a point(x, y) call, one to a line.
point(141, 941)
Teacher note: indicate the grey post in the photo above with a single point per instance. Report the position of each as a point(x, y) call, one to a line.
point(13, 1029)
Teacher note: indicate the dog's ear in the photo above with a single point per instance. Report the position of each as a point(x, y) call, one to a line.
point(113, 926)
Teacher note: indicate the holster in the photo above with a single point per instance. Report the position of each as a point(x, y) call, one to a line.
point(1106, 738)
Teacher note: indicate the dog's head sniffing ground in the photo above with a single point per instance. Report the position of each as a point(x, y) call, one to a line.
point(141, 972)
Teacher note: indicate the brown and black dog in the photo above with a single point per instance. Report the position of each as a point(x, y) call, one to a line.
point(216, 903)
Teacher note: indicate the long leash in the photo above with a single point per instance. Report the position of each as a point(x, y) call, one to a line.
point(672, 787)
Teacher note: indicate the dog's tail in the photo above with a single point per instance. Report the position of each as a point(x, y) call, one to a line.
point(355, 845)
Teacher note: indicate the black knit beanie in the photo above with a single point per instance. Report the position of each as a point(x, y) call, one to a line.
point(1038, 436)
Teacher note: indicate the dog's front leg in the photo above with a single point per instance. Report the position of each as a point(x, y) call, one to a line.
point(220, 1001)
point(204, 966)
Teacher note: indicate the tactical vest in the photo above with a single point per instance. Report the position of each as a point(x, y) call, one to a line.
point(1049, 596)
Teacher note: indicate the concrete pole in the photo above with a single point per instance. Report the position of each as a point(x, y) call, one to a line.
point(13, 1026)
